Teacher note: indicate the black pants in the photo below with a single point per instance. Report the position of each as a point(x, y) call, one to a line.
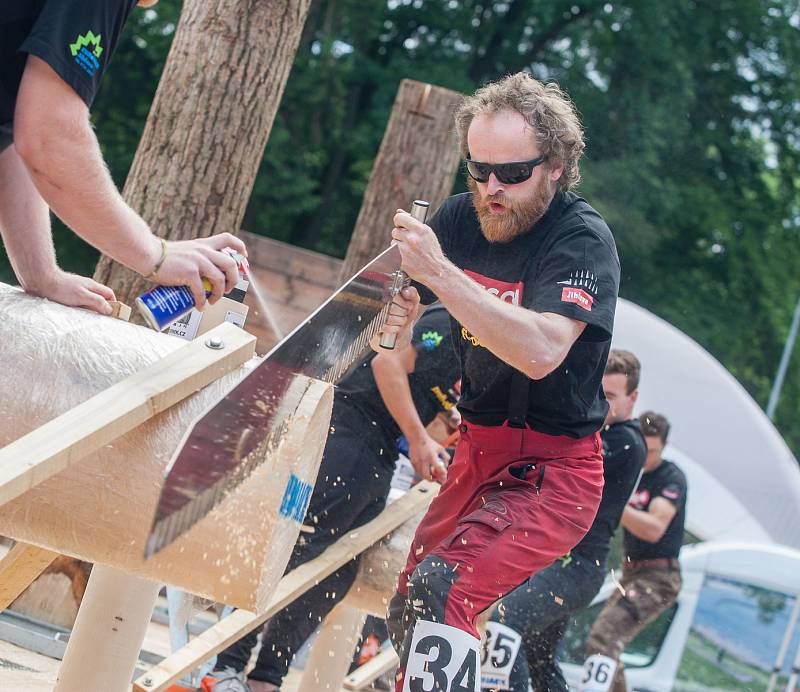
point(539, 611)
point(351, 489)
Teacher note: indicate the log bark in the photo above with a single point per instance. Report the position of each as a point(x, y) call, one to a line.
point(418, 159)
point(209, 122)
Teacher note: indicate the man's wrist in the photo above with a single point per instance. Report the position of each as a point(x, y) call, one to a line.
point(40, 282)
point(416, 435)
point(441, 278)
point(147, 259)
point(160, 261)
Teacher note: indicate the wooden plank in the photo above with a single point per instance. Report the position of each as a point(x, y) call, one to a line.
point(54, 446)
point(293, 585)
point(18, 569)
point(364, 676)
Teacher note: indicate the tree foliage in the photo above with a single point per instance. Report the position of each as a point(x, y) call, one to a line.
point(691, 114)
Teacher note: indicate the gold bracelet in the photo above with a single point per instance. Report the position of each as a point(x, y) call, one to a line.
point(160, 260)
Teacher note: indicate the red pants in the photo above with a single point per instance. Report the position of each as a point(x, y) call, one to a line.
point(514, 501)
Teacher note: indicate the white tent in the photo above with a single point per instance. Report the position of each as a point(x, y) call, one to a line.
point(717, 426)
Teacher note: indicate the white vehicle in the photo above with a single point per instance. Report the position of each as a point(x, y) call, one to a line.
point(734, 623)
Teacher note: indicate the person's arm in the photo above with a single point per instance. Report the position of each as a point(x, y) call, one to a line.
point(25, 229)
point(55, 140)
point(534, 343)
point(391, 370)
point(649, 525)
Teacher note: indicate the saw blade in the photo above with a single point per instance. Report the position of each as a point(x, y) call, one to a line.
point(234, 436)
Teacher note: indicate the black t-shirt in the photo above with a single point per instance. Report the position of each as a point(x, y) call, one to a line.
point(566, 264)
point(669, 482)
point(75, 37)
point(435, 373)
point(624, 453)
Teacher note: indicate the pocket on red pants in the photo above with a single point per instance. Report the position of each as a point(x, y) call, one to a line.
point(495, 520)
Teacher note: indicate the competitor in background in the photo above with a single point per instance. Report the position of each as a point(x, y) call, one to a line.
point(528, 625)
point(392, 393)
point(651, 574)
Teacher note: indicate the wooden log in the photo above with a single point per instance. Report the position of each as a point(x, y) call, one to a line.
point(294, 584)
point(209, 121)
point(100, 509)
point(418, 158)
point(112, 412)
point(380, 566)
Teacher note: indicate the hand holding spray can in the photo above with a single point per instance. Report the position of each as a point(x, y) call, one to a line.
point(163, 305)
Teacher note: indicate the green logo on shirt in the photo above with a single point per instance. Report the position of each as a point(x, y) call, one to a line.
point(86, 50)
point(431, 340)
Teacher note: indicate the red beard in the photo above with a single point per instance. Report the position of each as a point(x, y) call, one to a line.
point(518, 218)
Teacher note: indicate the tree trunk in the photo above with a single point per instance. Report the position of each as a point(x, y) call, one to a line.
point(418, 159)
point(207, 128)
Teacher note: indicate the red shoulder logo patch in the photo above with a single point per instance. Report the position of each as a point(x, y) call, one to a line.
point(578, 296)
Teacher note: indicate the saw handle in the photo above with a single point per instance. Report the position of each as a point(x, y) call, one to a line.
point(419, 210)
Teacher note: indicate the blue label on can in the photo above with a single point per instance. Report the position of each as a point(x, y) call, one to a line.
point(165, 304)
point(296, 499)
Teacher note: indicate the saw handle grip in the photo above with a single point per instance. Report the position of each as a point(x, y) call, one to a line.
point(419, 210)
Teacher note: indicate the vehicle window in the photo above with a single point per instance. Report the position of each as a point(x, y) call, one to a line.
point(640, 653)
point(735, 637)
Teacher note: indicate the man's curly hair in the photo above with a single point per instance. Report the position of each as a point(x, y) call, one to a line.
point(545, 107)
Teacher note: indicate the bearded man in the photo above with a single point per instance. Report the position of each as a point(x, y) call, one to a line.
point(529, 273)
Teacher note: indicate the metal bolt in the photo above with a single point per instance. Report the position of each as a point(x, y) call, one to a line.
point(216, 343)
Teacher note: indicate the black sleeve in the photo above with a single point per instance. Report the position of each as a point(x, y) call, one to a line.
point(621, 449)
point(674, 489)
point(436, 369)
point(579, 278)
point(441, 223)
point(77, 38)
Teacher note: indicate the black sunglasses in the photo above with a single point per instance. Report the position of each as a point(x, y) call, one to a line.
point(506, 173)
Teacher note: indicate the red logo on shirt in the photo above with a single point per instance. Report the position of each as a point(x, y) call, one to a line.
point(670, 494)
point(510, 293)
point(578, 296)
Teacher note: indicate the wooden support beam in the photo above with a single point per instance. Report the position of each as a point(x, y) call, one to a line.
point(105, 642)
point(19, 567)
point(364, 676)
point(293, 585)
point(332, 653)
point(54, 446)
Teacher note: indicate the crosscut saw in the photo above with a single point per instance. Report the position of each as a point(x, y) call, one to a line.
point(234, 436)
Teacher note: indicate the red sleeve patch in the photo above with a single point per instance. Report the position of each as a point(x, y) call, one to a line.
point(578, 296)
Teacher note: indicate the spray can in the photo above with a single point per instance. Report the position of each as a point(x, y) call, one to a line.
point(163, 305)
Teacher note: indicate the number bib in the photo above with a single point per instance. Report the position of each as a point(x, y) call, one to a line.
point(598, 674)
point(442, 659)
point(499, 650)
